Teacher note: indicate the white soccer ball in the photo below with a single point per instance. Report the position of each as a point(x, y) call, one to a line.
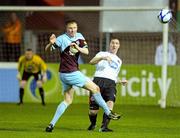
point(165, 16)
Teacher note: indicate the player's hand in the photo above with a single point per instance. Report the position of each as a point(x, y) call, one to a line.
point(52, 39)
point(44, 78)
point(123, 82)
point(18, 77)
point(74, 45)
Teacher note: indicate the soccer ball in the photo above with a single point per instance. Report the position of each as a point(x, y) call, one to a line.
point(165, 16)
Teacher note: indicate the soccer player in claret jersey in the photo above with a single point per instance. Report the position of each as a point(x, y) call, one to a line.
point(108, 65)
point(32, 65)
point(71, 44)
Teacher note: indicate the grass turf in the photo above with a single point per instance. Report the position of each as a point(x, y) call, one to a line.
point(30, 120)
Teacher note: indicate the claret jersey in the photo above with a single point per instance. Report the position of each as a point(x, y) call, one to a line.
point(69, 61)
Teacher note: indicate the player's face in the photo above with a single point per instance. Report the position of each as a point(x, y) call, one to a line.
point(71, 29)
point(114, 46)
point(28, 55)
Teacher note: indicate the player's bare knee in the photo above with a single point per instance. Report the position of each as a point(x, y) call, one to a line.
point(68, 101)
point(93, 112)
point(96, 89)
point(39, 84)
point(110, 104)
point(22, 84)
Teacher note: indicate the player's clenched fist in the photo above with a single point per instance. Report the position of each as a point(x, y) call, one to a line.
point(52, 39)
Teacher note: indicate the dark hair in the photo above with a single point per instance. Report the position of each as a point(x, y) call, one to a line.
point(29, 49)
point(112, 38)
point(70, 21)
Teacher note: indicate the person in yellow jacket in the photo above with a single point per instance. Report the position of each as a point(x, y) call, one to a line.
point(12, 31)
point(29, 65)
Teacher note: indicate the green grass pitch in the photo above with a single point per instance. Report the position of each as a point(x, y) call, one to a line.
point(30, 120)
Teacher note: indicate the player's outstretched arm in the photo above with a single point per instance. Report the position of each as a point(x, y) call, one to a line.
point(84, 50)
point(52, 40)
point(97, 59)
point(48, 46)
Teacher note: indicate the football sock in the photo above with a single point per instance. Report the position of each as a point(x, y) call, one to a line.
point(93, 118)
point(105, 121)
point(41, 92)
point(59, 111)
point(100, 101)
point(21, 94)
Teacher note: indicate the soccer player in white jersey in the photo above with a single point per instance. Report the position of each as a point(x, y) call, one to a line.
point(71, 44)
point(108, 65)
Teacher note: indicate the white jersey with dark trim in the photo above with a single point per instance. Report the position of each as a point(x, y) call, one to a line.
point(104, 69)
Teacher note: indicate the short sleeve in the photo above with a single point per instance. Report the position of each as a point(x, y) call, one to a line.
point(59, 41)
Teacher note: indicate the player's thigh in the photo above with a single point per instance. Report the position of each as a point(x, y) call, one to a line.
point(38, 78)
point(65, 87)
point(69, 92)
point(91, 86)
point(26, 75)
point(25, 78)
point(93, 112)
